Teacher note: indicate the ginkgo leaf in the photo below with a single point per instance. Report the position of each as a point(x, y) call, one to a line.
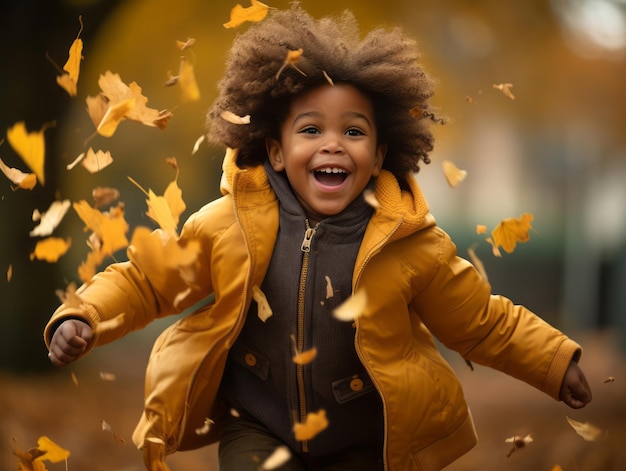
point(114, 115)
point(279, 457)
point(518, 442)
point(481, 229)
point(510, 231)
point(95, 161)
point(505, 88)
point(453, 174)
point(50, 219)
point(187, 81)
point(352, 307)
point(588, 431)
point(314, 423)
point(293, 56)
point(254, 13)
point(69, 80)
point(25, 181)
point(110, 227)
point(164, 210)
point(235, 119)
point(51, 249)
point(263, 307)
point(30, 146)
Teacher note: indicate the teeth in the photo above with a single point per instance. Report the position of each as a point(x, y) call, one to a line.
point(331, 170)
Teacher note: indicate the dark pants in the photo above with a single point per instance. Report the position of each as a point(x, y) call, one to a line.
point(245, 444)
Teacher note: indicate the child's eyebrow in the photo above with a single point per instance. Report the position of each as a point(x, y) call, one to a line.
point(317, 114)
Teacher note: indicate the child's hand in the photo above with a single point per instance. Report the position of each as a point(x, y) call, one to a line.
point(69, 342)
point(575, 391)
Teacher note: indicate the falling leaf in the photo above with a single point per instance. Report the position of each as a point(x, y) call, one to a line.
point(556, 467)
point(106, 427)
point(113, 116)
point(588, 431)
point(254, 13)
point(328, 79)
point(103, 196)
point(187, 81)
point(50, 219)
point(25, 181)
point(206, 426)
point(30, 146)
point(182, 45)
point(104, 376)
point(95, 161)
point(9, 273)
point(453, 174)
point(510, 231)
point(518, 442)
point(352, 307)
point(610, 379)
point(264, 309)
point(69, 80)
point(196, 144)
point(110, 227)
point(305, 357)
point(51, 249)
point(481, 229)
point(329, 287)
point(314, 423)
point(234, 412)
point(69, 297)
point(505, 88)
point(370, 198)
point(74, 378)
point(291, 60)
point(235, 119)
point(279, 457)
point(164, 210)
point(494, 248)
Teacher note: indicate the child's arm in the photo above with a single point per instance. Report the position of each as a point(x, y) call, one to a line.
point(69, 342)
point(575, 391)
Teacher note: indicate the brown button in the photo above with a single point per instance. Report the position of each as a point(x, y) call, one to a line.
point(356, 384)
point(250, 359)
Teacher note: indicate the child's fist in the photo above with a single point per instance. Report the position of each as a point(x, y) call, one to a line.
point(575, 391)
point(69, 342)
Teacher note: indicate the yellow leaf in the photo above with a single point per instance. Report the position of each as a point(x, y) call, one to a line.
point(314, 423)
point(254, 13)
point(588, 431)
point(182, 45)
point(187, 81)
point(164, 210)
point(453, 174)
point(305, 357)
point(505, 88)
point(510, 231)
point(352, 307)
point(30, 146)
point(25, 181)
point(94, 161)
point(263, 308)
point(278, 458)
point(292, 58)
point(69, 80)
point(9, 273)
point(52, 452)
point(69, 296)
point(174, 197)
point(481, 229)
point(49, 220)
point(330, 292)
point(110, 228)
point(51, 249)
point(610, 379)
point(114, 116)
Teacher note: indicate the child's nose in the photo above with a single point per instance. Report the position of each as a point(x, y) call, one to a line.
point(332, 145)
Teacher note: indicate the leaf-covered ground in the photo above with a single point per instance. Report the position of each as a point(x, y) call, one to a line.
point(69, 405)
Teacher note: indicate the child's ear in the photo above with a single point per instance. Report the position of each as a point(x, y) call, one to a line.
point(275, 154)
point(381, 152)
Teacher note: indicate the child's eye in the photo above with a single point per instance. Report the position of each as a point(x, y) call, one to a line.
point(309, 130)
point(354, 132)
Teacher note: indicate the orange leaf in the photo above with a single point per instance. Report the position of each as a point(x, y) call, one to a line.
point(510, 231)
point(453, 174)
point(69, 80)
point(114, 116)
point(50, 249)
point(481, 229)
point(110, 228)
point(305, 357)
point(239, 15)
point(352, 307)
point(25, 181)
point(292, 58)
point(187, 81)
point(30, 146)
point(505, 88)
point(314, 423)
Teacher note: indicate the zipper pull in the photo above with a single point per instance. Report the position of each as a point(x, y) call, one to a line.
point(308, 235)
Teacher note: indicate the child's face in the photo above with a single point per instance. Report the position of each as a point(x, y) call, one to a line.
point(328, 148)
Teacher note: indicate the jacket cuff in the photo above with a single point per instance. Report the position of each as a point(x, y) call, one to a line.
point(567, 352)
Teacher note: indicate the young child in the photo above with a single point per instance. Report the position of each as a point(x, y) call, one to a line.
point(342, 117)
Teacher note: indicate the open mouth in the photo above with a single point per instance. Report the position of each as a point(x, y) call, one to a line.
point(330, 176)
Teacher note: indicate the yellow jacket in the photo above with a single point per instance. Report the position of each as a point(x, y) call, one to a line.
point(416, 287)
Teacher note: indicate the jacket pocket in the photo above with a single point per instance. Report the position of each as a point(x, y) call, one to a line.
point(251, 360)
point(351, 387)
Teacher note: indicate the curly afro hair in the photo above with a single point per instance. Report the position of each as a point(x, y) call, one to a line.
point(383, 65)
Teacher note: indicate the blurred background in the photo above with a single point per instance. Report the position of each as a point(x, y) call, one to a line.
point(557, 150)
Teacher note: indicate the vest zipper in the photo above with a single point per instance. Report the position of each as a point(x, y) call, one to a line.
point(304, 270)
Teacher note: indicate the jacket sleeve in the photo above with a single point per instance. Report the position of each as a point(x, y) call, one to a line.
point(141, 289)
point(457, 306)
